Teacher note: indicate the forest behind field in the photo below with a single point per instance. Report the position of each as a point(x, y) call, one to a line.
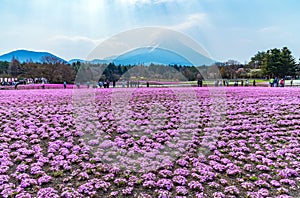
point(272, 63)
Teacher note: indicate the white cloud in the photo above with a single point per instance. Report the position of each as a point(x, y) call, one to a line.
point(135, 1)
point(72, 46)
point(268, 29)
point(149, 1)
point(64, 38)
point(191, 21)
point(166, 1)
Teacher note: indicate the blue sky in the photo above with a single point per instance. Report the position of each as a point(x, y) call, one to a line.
point(227, 29)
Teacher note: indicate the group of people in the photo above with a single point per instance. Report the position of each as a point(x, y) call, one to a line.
point(127, 84)
point(105, 84)
point(246, 83)
point(236, 83)
point(131, 83)
point(275, 82)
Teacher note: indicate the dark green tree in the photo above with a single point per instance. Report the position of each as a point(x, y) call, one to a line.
point(288, 62)
point(278, 63)
point(257, 60)
point(4, 65)
point(76, 66)
point(14, 67)
point(275, 65)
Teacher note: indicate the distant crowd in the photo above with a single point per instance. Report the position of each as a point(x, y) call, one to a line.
point(108, 84)
point(273, 82)
point(227, 82)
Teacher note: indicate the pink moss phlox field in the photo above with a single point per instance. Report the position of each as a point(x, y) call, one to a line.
point(50, 149)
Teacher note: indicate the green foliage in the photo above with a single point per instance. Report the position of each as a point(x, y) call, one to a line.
point(76, 66)
point(253, 178)
point(52, 69)
point(89, 171)
point(278, 63)
point(257, 60)
point(58, 174)
point(139, 182)
point(4, 67)
point(14, 67)
point(288, 62)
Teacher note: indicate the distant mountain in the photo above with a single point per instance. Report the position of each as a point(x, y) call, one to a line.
point(148, 55)
point(76, 60)
point(27, 56)
point(145, 56)
point(98, 61)
point(152, 45)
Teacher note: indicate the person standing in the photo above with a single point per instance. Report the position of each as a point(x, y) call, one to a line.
point(281, 82)
point(247, 82)
point(199, 82)
point(65, 84)
point(272, 82)
point(100, 84)
point(236, 83)
point(216, 83)
point(254, 83)
point(16, 85)
point(291, 82)
point(227, 82)
point(107, 83)
point(276, 82)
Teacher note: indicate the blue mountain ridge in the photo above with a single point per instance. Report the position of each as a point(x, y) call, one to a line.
point(145, 56)
point(27, 56)
point(148, 55)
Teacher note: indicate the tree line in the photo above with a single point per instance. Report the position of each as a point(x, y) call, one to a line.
point(272, 63)
point(51, 68)
point(112, 72)
point(57, 71)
